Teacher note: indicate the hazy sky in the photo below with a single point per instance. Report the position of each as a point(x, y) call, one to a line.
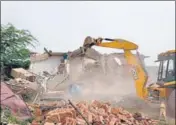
point(62, 26)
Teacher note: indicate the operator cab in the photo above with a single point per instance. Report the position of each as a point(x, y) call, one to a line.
point(166, 72)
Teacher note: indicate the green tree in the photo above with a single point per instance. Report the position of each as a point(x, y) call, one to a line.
point(14, 43)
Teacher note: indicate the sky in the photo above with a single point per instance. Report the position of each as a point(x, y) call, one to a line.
point(63, 26)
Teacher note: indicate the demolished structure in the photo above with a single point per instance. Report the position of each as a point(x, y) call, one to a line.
point(89, 70)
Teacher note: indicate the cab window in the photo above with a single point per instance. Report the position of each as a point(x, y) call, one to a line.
point(159, 64)
point(171, 65)
point(164, 69)
point(171, 70)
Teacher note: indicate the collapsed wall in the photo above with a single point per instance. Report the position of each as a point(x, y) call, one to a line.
point(99, 75)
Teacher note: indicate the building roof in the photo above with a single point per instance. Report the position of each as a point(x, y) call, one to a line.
point(167, 53)
point(90, 53)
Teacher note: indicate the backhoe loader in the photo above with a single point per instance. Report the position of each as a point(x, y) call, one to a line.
point(161, 91)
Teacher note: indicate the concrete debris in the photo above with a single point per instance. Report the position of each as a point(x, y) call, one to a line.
point(96, 113)
point(22, 73)
point(22, 86)
point(27, 84)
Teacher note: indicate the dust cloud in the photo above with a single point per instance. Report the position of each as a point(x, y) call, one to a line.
point(104, 82)
point(97, 84)
point(112, 83)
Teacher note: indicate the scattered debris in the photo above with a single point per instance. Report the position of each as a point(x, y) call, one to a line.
point(22, 73)
point(26, 89)
point(19, 82)
point(96, 113)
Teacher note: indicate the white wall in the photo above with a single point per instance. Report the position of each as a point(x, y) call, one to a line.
point(48, 65)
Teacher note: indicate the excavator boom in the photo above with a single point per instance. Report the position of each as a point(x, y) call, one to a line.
point(119, 44)
point(138, 71)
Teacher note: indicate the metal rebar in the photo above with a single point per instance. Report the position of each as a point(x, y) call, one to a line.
point(78, 112)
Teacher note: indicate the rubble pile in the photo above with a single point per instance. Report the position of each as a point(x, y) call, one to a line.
point(95, 113)
point(18, 84)
point(22, 73)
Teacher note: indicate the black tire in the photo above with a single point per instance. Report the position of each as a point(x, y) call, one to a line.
point(171, 104)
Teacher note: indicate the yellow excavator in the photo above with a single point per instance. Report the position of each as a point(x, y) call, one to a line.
point(161, 91)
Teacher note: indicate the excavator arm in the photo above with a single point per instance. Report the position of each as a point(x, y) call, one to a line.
point(139, 73)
